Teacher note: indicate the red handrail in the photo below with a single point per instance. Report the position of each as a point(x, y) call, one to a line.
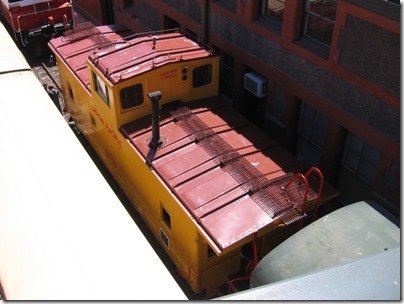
point(250, 266)
point(320, 187)
point(304, 179)
point(301, 176)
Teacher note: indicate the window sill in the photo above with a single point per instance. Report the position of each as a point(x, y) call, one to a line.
point(230, 5)
point(314, 46)
point(271, 25)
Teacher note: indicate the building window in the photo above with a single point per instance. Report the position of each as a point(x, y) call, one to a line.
point(202, 75)
point(311, 135)
point(273, 9)
point(312, 125)
point(361, 159)
point(101, 88)
point(270, 14)
point(276, 107)
point(391, 182)
point(166, 217)
point(319, 19)
point(226, 74)
point(131, 96)
point(230, 5)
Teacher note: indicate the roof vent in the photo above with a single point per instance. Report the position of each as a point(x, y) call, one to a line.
point(255, 84)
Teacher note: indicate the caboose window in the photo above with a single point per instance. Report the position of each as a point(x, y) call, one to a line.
point(166, 217)
point(202, 75)
point(131, 96)
point(101, 88)
point(70, 91)
point(211, 253)
point(164, 238)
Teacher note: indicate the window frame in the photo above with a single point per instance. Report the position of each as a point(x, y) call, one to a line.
point(362, 154)
point(70, 91)
point(97, 82)
point(318, 119)
point(202, 75)
point(307, 13)
point(165, 217)
point(266, 20)
point(275, 108)
point(138, 96)
point(230, 5)
point(264, 10)
point(310, 142)
point(226, 74)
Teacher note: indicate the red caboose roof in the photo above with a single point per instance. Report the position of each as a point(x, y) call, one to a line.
point(143, 53)
point(77, 45)
point(119, 56)
point(224, 170)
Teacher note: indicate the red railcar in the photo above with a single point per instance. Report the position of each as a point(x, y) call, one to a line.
point(33, 20)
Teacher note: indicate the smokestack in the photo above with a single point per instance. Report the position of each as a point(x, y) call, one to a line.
point(155, 97)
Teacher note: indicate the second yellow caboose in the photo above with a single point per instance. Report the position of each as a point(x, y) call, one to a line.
point(206, 181)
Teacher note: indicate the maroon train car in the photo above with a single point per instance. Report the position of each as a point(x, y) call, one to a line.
point(36, 20)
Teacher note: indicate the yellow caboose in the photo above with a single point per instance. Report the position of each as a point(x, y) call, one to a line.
point(206, 181)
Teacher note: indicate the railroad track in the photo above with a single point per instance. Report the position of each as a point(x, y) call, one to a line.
point(45, 70)
point(51, 72)
point(47, 73)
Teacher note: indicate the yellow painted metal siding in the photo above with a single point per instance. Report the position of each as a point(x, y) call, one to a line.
point(187, 248)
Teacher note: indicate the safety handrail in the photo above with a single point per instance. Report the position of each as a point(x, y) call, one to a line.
point(250, 266)
point(301, 176)
point(304, 178)
point(66, 22)
point(320, 187)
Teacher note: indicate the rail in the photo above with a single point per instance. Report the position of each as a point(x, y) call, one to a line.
point(249, 268)
point(306, 189)
point(47, 2)
point(320, 188)
point(51, 76)
point(152, 33)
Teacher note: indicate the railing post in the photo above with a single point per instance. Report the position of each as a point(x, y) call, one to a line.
point(320, 187)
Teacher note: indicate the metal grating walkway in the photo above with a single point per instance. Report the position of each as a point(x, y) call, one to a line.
point(86, 30)
point(270, 195)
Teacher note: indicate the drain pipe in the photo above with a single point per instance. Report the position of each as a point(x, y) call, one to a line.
point(155, 97)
